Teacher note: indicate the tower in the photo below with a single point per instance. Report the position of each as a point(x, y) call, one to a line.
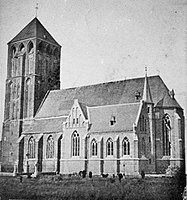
point(33, 68)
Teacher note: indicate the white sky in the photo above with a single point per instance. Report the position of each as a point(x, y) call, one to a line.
point(105, 40)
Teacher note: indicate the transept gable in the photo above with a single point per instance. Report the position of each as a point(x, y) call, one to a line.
point(77, 116)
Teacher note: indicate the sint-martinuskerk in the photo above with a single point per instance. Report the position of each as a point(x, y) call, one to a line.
point(116, 127)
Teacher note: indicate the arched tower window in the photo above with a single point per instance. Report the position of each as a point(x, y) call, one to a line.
point(75, 144)
point(30, 48)
point(126, 146)
point(30, 58)
point(109, 146)
point(166, 128)
point(94, 147)
point(27, 97)
point(50, 147)
point(21, 48)
point(31, 148)
point(13, 51)
point(13, 60)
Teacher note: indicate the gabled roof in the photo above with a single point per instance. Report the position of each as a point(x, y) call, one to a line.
point(54, 109)
point(125, 116)
point(52, 125)
point(168, 102)
point(34, 30)
point(84, 109)
point(59, 102)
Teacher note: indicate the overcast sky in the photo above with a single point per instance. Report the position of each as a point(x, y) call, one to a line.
point(104, 40)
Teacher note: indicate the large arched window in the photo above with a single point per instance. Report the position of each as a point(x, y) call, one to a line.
point(27, 96)
point(31, 148)
point(75, 144)
point(30, 58)
point(166, 127)
point(94, 147)
point(126, 146)
point(50, 147)
point(109, 146)
point(13, 52)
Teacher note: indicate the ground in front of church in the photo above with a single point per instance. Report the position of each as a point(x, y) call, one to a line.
point(76, 187)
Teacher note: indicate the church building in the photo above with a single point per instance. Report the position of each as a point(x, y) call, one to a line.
point(115, 127)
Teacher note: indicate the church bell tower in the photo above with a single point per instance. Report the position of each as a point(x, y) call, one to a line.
point(33, 68)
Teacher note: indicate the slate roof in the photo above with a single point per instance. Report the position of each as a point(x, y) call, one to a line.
point(125, 116)
point(34, 30)
point(168, 102)
point(53, 125)
point(59, 102)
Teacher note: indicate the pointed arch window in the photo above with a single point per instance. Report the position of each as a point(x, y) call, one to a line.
point(27, 96)
point(30, 48)
point(143, 123)
point(13, 56)
point(126, 146)
point(31, 58)
point(166, 129)
point(75, 144)
point(50, 147)
point(94, 147)
point(13, 51)
point(109, 146)
point(21, 48)
point(31, 148)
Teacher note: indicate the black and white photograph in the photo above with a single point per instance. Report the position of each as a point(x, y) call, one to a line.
point(93, 99)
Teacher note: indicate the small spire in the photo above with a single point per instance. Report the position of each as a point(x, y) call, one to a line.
point(146, 71)
point(36, 8)
point(146, 92)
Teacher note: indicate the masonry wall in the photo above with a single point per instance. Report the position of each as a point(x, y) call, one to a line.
point(68, 162)
point(116, 163)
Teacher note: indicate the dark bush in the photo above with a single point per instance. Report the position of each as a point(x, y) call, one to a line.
point(180, 178)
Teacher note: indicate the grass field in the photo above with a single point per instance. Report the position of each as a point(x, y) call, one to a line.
point(58, 187)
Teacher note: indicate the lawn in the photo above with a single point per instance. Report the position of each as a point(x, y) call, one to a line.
point(60, 187)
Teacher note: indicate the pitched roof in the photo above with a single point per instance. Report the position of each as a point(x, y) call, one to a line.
point(125, 116)
point(34, 30)
point(58, 102)
point(84, 109)
point(168, 102)
point(46, 126)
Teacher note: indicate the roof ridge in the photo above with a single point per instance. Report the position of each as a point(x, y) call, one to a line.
point(103, 83)
point(113, 105)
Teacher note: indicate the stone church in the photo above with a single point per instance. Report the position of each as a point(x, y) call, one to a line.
point(115, 127)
